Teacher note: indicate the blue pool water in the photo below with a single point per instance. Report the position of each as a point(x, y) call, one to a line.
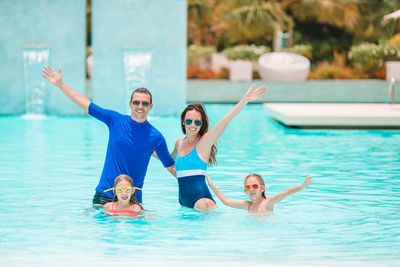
point(49, 168)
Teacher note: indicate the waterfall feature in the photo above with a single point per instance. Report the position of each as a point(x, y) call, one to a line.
point(35, 58)
point(137, 66)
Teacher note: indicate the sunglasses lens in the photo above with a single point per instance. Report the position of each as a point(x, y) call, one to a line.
point(144, 103)
point(254, 186)
point(196, 122)
point(120, 190)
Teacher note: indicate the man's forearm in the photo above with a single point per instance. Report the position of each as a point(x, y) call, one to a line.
point(75, 96)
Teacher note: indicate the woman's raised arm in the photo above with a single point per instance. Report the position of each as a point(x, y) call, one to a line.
point(213, 135)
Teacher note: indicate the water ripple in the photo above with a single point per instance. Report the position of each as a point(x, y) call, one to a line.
point(349, 214)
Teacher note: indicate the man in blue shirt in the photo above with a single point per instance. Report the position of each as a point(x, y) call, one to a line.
point(132, 139)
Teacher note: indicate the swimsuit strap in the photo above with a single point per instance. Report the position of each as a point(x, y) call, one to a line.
point(180, 145)
point(197, 142)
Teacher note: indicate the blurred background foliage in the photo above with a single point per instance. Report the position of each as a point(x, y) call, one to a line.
point(338, 36)
point(225, 23)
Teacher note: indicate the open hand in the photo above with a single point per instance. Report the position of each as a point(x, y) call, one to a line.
point(53, 77)
point(255, 94)
point(307, 181)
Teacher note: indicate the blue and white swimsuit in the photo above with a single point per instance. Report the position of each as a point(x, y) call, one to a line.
point(191, 171)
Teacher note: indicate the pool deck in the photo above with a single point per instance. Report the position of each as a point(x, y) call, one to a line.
point(334, 115)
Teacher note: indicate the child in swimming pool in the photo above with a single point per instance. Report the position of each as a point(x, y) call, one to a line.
point(125, 200)
point(254, 187)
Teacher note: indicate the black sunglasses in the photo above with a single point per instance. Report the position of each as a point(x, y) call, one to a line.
point(144, 103)
point(196, 122)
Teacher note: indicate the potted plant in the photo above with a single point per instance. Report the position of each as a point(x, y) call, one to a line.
point(200, 56)
point(371, 58)
point(241, 57)
point(392, 57)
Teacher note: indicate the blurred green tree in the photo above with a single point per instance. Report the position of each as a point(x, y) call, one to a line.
point(211, 22)
point(244, 21)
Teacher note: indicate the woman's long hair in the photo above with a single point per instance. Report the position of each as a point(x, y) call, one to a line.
point(125, 177)
point(204, 127)
point(260, 180)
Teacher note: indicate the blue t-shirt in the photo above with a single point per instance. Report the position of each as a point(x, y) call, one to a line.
point(130, 146)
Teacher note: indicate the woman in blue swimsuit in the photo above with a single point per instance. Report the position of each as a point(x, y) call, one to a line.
point(196, 150)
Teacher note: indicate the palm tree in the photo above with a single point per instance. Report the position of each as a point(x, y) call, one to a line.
point(201, 21)
point(242, 21)
point(371, 27)
point(251, 19)
point(340, 13)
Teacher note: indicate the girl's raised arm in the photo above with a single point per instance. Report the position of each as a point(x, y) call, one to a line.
point(289, 191)
point(229, 202)
point(213, 135)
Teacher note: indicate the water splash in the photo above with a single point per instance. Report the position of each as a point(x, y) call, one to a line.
point(137, 67)
point(32, 116)
point(35, 86)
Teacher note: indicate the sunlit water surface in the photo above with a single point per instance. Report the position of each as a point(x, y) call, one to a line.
point(50, 166)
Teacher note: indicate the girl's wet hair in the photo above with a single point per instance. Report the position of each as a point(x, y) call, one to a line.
point(125, 177)
point(260, 180)
point(204, 127)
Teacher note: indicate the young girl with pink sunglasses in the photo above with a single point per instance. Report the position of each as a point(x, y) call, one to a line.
point(254, 187)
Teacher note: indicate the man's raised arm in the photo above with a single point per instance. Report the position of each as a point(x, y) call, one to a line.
point(56, 79)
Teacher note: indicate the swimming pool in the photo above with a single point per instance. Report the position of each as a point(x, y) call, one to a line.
point(350, 213)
